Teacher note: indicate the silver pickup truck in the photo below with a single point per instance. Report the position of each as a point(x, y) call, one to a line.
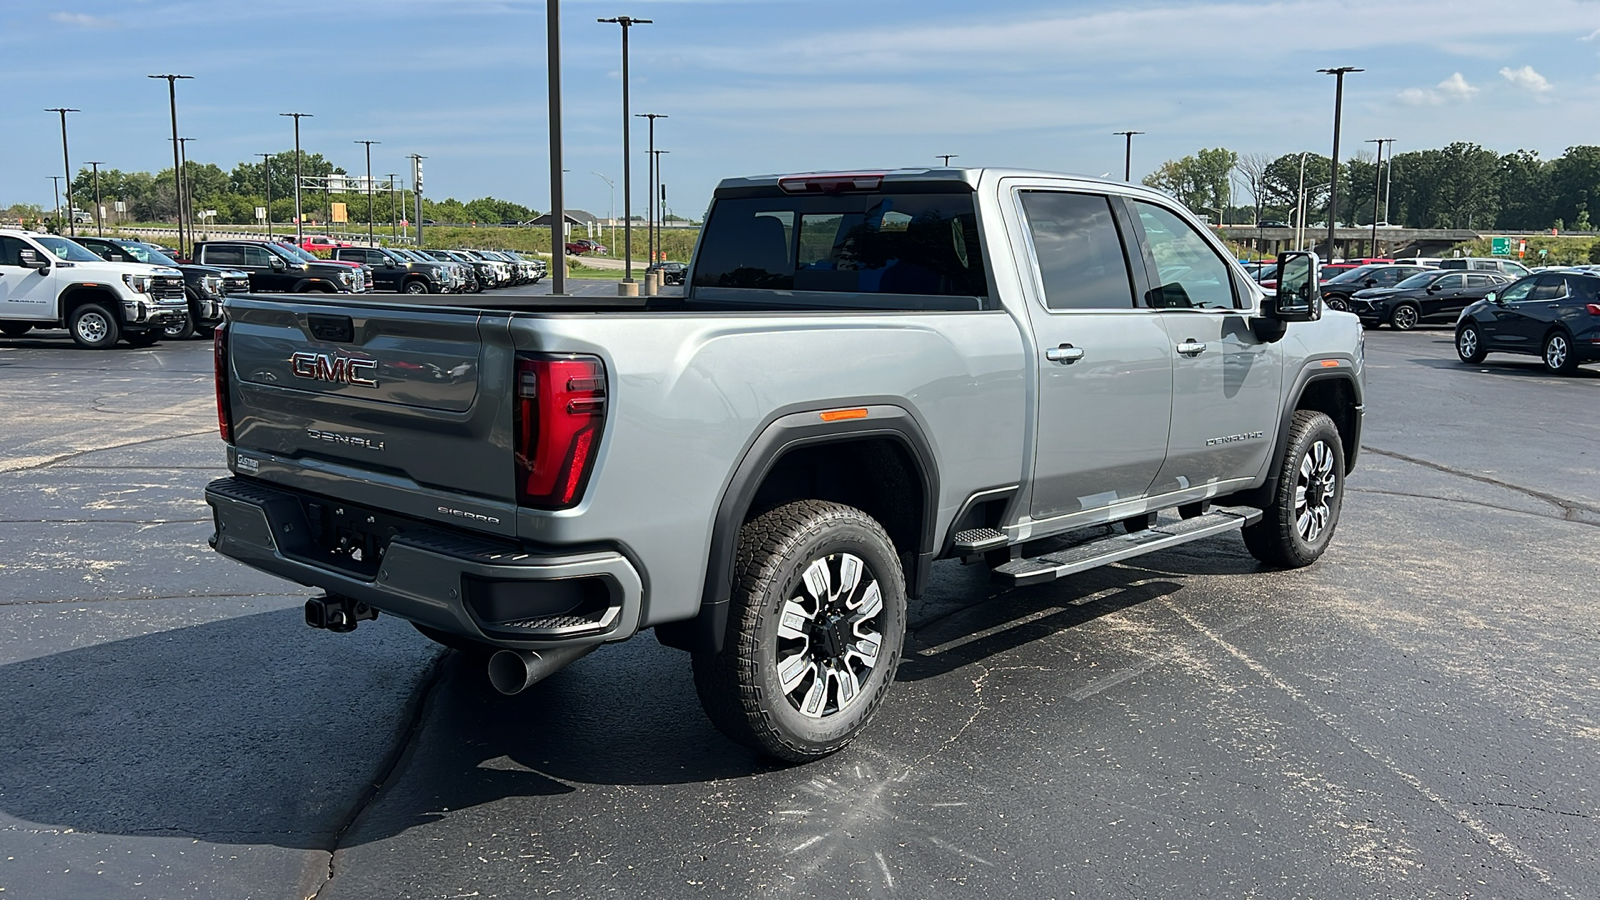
point(866, 372)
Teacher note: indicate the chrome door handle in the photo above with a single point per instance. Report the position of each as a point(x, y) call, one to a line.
point(1191, 347)
point(1066, 353)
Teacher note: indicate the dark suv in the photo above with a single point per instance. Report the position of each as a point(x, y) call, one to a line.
point(1434, 295)
point(1336, 291)
point(393, 272)
point(273, 269)
point(1555, 316)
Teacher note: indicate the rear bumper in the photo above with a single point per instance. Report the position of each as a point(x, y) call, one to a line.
point(484, 589)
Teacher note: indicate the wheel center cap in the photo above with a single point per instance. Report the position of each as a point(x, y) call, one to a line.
point(830, 636)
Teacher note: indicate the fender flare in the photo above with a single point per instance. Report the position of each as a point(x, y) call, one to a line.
point(787, 432)
point(1311, 373)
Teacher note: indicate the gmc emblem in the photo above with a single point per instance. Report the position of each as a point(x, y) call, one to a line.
point(334, 369)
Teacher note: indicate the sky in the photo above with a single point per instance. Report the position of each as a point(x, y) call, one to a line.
point(761, 86)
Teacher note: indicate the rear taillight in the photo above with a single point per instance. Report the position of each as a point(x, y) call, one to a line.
point(219, 352)
point(561, 406)
point(1593, 308)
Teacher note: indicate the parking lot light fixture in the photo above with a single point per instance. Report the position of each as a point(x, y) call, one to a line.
point(299, 225)
point(172, 104)
point(370, 241)
point(626, 22)
point(946, 157)
point(650, 196)
point(1127, 156)
point(1333, 189)
point(99, 227)
point(185, 207)
point(66, 164)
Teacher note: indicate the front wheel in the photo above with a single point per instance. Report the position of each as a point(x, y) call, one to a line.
point(815, 629)
point(1405, 317)
point(416, 287)
point(1342, 304)
point(93, 327)
point(179, 330)
point(1558, 357)
point(1297, 525)
point(1469, 344)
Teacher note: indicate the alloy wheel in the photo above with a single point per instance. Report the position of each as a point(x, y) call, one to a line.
point(1314, 491)
point(1404, 317)
point(1467, 343)
point(1555, 352)
point(829, 635)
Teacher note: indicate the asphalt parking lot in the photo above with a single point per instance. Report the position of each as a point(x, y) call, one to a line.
point(1414, 716)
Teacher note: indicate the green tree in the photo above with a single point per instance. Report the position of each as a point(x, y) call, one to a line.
point(1281, 182)
point(1199, 182)
point(1575, 184)
point(1524, 191)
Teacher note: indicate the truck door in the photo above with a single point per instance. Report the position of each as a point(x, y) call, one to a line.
point(1225, 381)
point(1105, 367)
point(26, 294)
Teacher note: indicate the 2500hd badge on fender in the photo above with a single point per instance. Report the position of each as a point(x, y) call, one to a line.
point(868, 371)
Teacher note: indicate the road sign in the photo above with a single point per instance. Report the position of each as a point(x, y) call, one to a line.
point(1501, 246)
point(261, 213)
point(122, 207)
point(339, 212)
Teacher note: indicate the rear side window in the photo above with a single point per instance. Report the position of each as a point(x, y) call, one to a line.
point(1190, 275)
point(11, 251)
point(1452, 282)
point(224, 255)
point(1452, 264)
point(883, 244)
point(1079, 251)
point(1582, 288)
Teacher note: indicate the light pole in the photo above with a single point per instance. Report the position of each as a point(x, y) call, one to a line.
point(1127, 157)
point(1300, 207)
point(611, 209)
point(627, 172)
point(172, 103)
point(946, 157)
point(369, 144)
point(99, 227)
point(185, 207)
point(56, 180)
point(266, 175)
point(299, 226)
point(650, 198)
point(416, 189)
point(1338, 111)
point(1388, 180)
point(66, 166)
point(659, 199)
point(1377, 185)
point(394, 206)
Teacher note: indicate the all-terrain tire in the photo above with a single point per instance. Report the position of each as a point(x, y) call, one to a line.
point(1298, 524)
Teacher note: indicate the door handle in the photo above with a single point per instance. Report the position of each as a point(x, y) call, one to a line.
point(1066, 353)
point(1191, 348)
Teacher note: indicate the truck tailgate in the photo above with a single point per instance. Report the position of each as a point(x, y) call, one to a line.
point(402, 406)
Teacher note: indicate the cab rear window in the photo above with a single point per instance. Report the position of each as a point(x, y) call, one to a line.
point(820, 247)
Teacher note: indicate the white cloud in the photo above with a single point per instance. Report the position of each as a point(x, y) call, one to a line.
point(1593, 35)
point(1453, 88)
point(1526, 78)
point(83, 20)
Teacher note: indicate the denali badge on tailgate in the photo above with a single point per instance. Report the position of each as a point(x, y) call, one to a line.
point(335, 369)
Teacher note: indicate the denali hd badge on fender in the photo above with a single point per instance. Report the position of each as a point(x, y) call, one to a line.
point(334, 369)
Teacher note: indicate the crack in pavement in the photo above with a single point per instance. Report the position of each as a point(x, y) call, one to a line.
point(1486, 505)
point(1573, 511)
point(76, 454)
point(390, 765)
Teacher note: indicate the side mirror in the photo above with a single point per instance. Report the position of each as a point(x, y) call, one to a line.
point(1492, 297)
point(277, 264)
point(1299, 295)
point(1370, 282)
point(31, 260)
point(1433, 288)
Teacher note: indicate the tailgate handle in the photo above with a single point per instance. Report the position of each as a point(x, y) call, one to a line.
point(339, 329)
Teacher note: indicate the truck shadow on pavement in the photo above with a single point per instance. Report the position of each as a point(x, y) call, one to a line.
point(1508, 366)
point(257, 730)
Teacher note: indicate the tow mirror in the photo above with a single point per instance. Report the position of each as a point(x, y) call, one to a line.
point(1299, 295)
point(31, 260)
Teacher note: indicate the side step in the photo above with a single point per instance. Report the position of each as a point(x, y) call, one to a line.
point(1049, 567)
point(977, 540)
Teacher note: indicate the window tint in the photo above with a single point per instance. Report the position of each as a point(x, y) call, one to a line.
point(1079, 251)
point(1189, 273)
point(257, 256)
point(1582, 288)
point(1518, 291)
point(11, 251)
point(1453, 282)
point(1478, 281)
point(1452, 264)
point(913, 244)
point(1549, 288)
point(224, 255)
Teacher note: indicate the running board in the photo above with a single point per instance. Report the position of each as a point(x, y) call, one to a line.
point(1118, 547)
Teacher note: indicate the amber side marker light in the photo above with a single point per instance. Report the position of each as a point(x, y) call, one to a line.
point(1329, 363)
point(834, 415)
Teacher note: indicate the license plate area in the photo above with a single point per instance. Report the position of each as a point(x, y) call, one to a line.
point(347, 537)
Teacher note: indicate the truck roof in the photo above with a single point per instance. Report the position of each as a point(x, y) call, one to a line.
point(933, 177)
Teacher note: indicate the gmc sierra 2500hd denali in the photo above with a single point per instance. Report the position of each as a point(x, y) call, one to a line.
point(867, 372)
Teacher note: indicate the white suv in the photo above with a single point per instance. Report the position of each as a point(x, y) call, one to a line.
point(48, 281)
point(1507, 267)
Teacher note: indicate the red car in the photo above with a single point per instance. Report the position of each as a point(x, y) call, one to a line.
point(586, 246)
point(315, 242)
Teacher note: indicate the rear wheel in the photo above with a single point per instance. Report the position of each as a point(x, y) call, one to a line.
point(93, 327)
point(1338, 302)
point(1558, 357)
point(1469, 344)
point(1297, 525)
point(815, 629)
point(1405, 317)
